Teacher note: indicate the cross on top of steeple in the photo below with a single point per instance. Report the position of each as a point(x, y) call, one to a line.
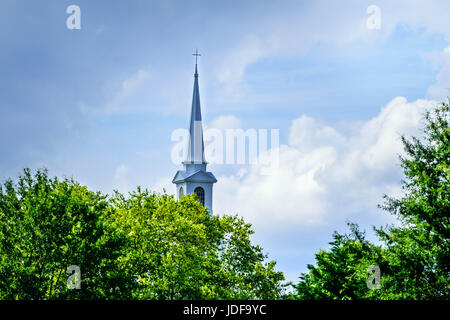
point(196, 54)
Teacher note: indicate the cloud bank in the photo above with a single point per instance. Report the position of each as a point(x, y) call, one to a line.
point(326, 173)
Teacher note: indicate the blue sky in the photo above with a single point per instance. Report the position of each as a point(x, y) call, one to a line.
point(100, 103)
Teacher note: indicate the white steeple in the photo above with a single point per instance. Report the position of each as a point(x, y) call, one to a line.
point(196, 152)
point(194, 178)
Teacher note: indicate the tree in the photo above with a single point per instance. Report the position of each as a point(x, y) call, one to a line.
point(141, 246)
point(419, 249)
point(177, 250)
point(414, 257)
point(341, 272)
point(47, 225)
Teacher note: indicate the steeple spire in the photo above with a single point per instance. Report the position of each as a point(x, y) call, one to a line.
point(196, 153)
point(194, 178)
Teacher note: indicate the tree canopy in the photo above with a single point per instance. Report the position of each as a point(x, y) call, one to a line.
point(178, 250)
point(140, 246)
point(46, 226)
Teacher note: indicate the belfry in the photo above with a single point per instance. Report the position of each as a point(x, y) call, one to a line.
point(194, 178)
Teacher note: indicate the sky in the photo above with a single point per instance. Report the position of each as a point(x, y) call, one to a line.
point(100, 103)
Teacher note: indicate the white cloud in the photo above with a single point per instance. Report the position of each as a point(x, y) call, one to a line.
point(121, 172)
point(286, 33)
point(325, 175)
point(293, 30)
point(283, 31)
point(129, 86)
point(441, 88)
point(121, 178)
point(307, 134)
point(151, 89)
point(224, 122)
point(133, 83)
point(164, 183)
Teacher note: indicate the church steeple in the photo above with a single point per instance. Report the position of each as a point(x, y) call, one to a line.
point(194, 178)
point(196, 147)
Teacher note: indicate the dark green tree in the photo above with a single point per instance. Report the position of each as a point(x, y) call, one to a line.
point(414, 257)
point(341, 272)
point(419, 249)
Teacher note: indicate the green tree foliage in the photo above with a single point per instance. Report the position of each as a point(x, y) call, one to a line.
point(141, 246)
point(179, 251)
point(46, 226)
point(419, 250)
point(414, 257)
point(341, 271)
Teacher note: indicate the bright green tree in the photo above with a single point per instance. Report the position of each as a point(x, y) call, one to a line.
point(47, 225)
point(141, 246)
point(177, 250)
